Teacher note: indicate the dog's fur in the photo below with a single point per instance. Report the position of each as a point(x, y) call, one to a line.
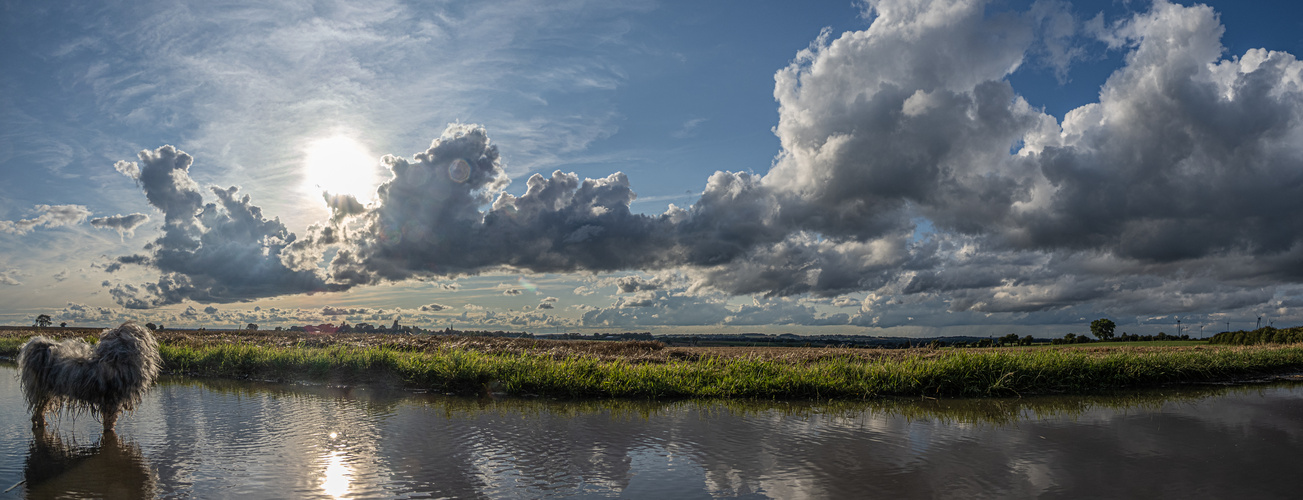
point(106, 379)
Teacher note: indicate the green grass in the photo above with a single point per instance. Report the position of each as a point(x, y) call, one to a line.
point(975, 373)
point(991, 372)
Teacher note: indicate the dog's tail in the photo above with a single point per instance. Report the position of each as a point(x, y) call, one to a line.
point(35, 360)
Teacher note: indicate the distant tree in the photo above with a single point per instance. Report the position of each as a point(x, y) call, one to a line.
point(43, 321)
point(63, 324)
point(1102, 328)
point(1028, 340)
point(1010, 339)
point(151, 326)
point(160, 326)
point(251, 326)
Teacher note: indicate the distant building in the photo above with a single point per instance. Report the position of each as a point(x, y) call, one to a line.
point(320, 329)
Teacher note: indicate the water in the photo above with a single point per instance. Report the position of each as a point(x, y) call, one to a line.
point(221, 439)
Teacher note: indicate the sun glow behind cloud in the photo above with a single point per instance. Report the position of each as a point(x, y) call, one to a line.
point(340, 165)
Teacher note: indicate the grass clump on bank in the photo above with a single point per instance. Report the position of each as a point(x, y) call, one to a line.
point(790, 373)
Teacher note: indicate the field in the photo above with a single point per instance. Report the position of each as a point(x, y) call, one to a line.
point(1150, 343)
point(650, 370)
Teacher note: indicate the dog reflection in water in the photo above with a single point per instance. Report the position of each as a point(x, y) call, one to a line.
point(111, 468)
point(105, 379)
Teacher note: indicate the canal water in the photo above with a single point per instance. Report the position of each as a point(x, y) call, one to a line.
point(222, 439)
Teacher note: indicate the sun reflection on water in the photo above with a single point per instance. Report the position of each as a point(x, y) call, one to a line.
point(338, 475)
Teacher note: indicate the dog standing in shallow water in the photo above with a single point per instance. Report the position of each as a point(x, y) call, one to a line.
point(105, 379)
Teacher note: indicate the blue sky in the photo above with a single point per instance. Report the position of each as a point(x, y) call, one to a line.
point(893, 167)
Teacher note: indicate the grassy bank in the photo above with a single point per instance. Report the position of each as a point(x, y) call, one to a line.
point(541, 369)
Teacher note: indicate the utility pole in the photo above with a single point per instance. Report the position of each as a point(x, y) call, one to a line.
point(1178, 328)
point(1201, 332)
point(1259, 327)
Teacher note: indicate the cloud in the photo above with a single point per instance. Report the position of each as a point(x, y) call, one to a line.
point(10, 277)
point(845, 302)
point(49, 216)
point(434, 307)
point(127, 168)
point(674, 308)
point(123, 224)
point(343, 311)
point(688, 128)
point(74, 313)
point(1151, 199)
point(910, 169)
point(209, 252)
point(630, 284)
point(61, 275)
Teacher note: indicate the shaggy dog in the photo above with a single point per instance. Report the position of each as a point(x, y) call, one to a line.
point(106, 379)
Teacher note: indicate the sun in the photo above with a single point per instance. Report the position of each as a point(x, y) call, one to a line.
point(340, 165)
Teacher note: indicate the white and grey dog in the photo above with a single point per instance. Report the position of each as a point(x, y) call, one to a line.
point(105, 379)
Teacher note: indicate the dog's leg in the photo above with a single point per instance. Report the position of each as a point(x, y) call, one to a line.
point(38, 414)
point(109, 414)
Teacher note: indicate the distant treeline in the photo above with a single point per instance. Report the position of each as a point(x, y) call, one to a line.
point(1264, 335)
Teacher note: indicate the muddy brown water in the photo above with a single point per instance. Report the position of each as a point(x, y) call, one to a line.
point(223, 439)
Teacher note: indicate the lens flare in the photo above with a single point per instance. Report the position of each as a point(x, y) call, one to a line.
point(524, 283)
point(459, 170)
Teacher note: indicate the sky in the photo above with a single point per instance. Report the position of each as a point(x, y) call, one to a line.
point(888, 167)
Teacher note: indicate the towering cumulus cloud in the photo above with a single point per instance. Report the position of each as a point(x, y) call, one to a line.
point(910, 168)
point(209, 252)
